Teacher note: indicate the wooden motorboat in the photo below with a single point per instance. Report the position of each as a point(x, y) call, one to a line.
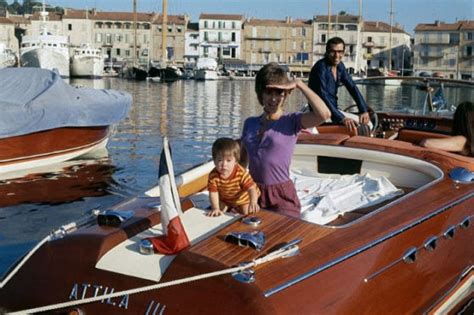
point(409, 253)
point(46, 121)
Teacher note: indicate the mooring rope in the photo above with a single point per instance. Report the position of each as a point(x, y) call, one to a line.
point(288, 250)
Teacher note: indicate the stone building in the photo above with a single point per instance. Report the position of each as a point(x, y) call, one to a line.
point(446, 48)
point(286, 41)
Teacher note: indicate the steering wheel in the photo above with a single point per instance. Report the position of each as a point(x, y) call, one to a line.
point(374, 119)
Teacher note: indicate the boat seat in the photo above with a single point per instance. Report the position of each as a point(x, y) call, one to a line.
point(323, 138)
point(444, 159)
point(415, 136)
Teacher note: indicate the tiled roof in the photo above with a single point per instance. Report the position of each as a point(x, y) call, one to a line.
point(441, 26)
point(210, 16)
point(172, 19)
point(376, 26)
point(338, 18)
point(52, 16)
point(19, 19)
point(281, 23)
point(4, 20)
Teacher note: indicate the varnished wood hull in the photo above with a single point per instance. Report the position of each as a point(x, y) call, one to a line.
point(49, 147)
point(357, 267)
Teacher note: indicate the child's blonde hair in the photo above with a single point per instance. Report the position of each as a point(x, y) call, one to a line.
point(226, 146)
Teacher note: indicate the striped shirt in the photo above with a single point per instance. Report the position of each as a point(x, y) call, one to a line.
point(234, 189)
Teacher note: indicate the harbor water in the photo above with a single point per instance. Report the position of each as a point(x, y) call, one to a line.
point(192, 114)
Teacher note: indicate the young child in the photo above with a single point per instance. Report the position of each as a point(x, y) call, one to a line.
point(230, 185)
point(270, 139)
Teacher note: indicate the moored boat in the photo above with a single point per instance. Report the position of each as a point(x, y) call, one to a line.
point(87, 62)
point(206, 69)
point(45, 51)
point(404, 252)
point(46, 121)
point(7, 57)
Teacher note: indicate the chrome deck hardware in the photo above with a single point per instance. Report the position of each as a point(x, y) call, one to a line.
point(146, 247)
point(254, 240)
point(244, 276)
point(462, 175)
point(253, 221)
point(113, 218)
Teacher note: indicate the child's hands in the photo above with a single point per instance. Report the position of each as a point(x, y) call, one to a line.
point(215, 213)
point(287, 87)
point(254, 207)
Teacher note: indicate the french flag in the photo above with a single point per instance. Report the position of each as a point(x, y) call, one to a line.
point(175, 238)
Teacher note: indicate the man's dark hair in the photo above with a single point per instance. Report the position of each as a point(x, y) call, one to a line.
point(334, 41)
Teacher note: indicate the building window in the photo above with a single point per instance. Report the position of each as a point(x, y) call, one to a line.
point(98, 38)
point(205, 24)
point(69, 27)
point(206, 36)
point(233, 36)
point(117, 52)
point(233, 25)
point(303, 32)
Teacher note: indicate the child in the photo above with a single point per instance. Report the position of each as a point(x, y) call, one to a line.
point(270, 139)
point(230, 185)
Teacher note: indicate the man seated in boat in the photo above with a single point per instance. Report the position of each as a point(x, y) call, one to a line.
point(230, 185)
point(461, 140)
point(327, 75)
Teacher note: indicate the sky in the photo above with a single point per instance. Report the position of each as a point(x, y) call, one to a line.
point(408, 13)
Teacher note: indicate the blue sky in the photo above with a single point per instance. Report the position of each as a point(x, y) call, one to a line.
point(406, 12)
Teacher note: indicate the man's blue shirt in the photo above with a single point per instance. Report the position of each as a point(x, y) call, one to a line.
point(322, 82)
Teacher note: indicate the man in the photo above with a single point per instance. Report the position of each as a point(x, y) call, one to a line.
point(326, 76)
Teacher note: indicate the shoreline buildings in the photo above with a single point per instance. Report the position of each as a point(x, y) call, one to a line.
point(244, 45)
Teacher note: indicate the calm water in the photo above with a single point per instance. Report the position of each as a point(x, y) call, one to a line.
point(192, 114)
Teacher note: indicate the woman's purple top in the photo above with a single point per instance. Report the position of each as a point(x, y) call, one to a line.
point(269, 158)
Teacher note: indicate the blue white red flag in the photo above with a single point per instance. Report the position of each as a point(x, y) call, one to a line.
point(175, 238)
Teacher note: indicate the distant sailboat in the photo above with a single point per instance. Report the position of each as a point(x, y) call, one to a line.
point(134, 71)
point(168, 73)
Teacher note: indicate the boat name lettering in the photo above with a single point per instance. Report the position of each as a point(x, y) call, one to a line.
point(81, 291)
point(155, 308)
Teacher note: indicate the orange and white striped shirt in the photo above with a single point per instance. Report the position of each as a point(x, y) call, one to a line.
point(233, 190)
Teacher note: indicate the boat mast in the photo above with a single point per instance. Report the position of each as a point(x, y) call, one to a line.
point(134, 54)
point(329, 19)
point(43, 14)
point(390, 38)
point(164, 33)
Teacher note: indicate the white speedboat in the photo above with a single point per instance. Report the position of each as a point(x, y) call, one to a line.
point(45, 51)
point(206, 69)
point(7, 57)
point(87, 62)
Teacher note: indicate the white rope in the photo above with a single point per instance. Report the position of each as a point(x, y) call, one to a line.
point(272, 256)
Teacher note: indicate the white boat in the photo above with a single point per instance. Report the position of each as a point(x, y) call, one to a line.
point(87, 62)
point(7, 57)
point(45, 51)
point(206, 69)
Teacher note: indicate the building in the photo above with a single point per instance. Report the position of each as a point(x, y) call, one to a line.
point(381, 42)
point(347, 27)
point(191, 45)
point(286, 41)
point(220, 36)
point(446, 48)
point(7, 34)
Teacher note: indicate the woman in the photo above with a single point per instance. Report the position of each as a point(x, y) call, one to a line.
point(461, 140)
